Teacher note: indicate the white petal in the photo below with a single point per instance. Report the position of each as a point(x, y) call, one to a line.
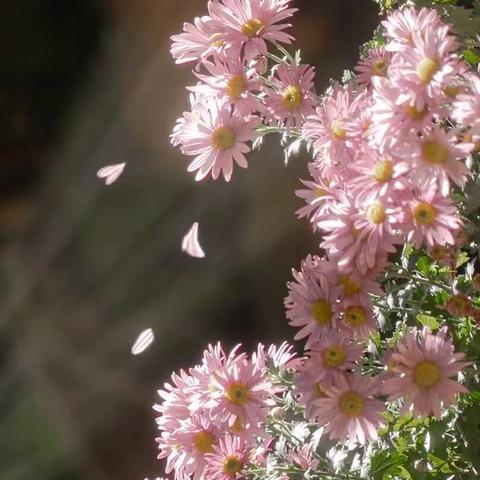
point(143, 341)
point(110, 173)
point(190, 243)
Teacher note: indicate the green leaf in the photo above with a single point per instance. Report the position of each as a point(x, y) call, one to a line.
point(428, 321)
point(423, 264)
point(386, 462)
point(462, 258)
point(471, 57)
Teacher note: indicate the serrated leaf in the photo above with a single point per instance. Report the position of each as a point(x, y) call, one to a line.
point(462, 258)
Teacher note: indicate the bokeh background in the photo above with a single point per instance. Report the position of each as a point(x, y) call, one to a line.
point(86, 268)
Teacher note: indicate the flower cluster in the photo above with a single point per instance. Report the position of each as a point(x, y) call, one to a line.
point(390, 148)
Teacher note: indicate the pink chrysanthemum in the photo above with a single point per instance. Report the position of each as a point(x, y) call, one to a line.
point(396, 112)
point(197, 42)
point(289, 99)
point(378, 177)
point(333, 131)
point(374, 64)
point(350, 411)
point(307, 389)
point(311, 302)
point(357, 317)
point(333, 354)
point(230, 80)
point(459, 305)
point(216, 135)
point(304, 457)
point(466, 108)
point(433, 219)
point(248, 24)
point(318, 196)
point(229, 459)
point(435, 155)
point(424, 364)
point(402, 24)
point(236, 391)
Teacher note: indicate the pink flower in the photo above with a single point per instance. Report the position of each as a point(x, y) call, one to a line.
point(459, 305)
point(424, 364)
point(433, 219)
point(248, 24)
point(304, 457)
point(402, 24)
point(357, 317)
point(307, 389)
point(466, 108)
point(311, 302)
point(197, 42)
point(374, 64)
point(216, 135)
point(235, 390)
point(229, 79)
point(349, 411)
point(395, 112)
point(378, 177)
point(228, 460)
point(333, 130)
point(436, 155)
point(334, 353)
point(318, 196)
point(289, 99)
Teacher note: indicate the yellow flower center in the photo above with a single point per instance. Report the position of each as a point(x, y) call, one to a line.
point(376, 213)
point(424, 213)
point(232, 465)
point(350, 288)
point(334, 356)
point(203, 442)
point(235, 87)
point(318, 390)
point(351, 404)
point(415, 114)
point(292, 97)
point(237, 393)
point(321, 311)
point(355, 316)
point(216, 41)
point(223, 138)
point(320, 192)
point(427, 374)
point(251, 27)
point(383, 171)
point(379, 68)
point(338, 132)
point(426, 69)
point(434, 152)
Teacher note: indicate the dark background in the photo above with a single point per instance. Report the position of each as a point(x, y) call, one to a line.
point(85, 268)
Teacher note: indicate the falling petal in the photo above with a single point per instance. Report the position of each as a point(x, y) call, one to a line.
point(110, 173)
point(143, 341)
point(190, 243)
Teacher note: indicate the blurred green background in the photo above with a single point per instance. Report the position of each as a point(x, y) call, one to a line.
point(85, 268)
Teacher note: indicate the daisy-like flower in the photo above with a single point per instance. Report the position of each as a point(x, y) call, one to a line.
point(357, 317)
point(374, 64)
point(466, 108)
point(459, 305)
point(304, 457)
point(378, 177)
point(289, 99)
point(424, 365)
point(318, 196)
point(197, 42)
point(334, 353)
point(307, 389)
point(349, 411)
point(402, 24)
point(216, 135)
point(331, 129)
point(311, 302)
point(431, 65)
point(230, 80)
point(436, 155)
point(396, 112)
point(248, 24)
point(433, 219)
point(235, 391)
point(186, 447)
point(228, 460)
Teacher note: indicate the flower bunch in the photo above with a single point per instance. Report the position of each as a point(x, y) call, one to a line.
point(386, 315)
